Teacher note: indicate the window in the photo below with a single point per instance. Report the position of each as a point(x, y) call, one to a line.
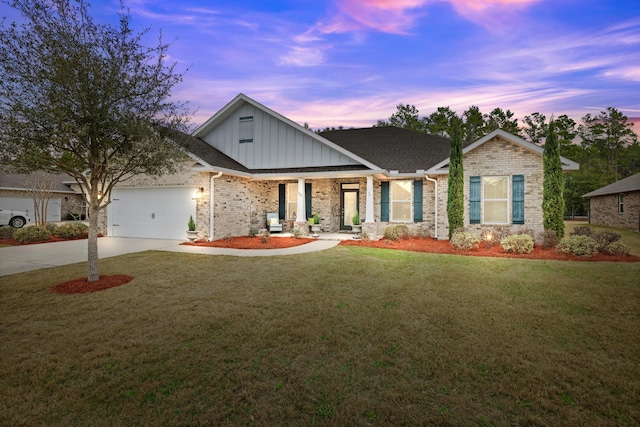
point(246, 129)
point(292, 200)
point(400, 195)
point(621, 203)
point(495, 200)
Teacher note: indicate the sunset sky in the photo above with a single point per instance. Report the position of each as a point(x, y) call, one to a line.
point(350, 62)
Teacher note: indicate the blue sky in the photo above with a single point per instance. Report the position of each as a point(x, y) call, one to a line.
point(350, 62)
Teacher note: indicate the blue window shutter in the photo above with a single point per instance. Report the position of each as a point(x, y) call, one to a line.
point(517, 200)
point(474, 200)
point(307, 199)
point(417, 201)
point(384, 201)
point(282, 201)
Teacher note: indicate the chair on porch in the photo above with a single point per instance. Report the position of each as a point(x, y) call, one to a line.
point(273, 223)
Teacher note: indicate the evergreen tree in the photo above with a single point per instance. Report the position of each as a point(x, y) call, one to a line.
point(553, 185)
point(455, 199)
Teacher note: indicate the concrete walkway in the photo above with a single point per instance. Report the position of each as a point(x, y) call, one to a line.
point(18, 259)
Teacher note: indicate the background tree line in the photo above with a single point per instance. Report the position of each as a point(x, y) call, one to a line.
point(605, 145)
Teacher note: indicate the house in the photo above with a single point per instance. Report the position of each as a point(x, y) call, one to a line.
point(617, 204)
point(248, 160)
point(16, 192)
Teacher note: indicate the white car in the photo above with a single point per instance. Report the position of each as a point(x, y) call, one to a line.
point(17, 219)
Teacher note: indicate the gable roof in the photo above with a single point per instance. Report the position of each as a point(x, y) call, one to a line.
point(630, 183)
point(226, 111)
point(442, 167)
point(393, 148)
point(19, 181)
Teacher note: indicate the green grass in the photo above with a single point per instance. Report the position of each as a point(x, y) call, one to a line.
point(348, 336)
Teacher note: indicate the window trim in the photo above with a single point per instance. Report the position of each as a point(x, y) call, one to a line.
point(245, 126)
point(392, 201)
point(506, 200)
point(620, 203)
point(288, 201)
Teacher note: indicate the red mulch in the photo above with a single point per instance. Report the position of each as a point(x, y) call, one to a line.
point(82, 286)
point(246, 242)
point(444, 247)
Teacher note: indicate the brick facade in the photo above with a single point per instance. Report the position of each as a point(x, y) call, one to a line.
point(604, 210)
point(241, 203)
point(498, 157)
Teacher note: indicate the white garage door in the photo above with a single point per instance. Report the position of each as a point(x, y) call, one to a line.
point(26, 204)
point(154, 213)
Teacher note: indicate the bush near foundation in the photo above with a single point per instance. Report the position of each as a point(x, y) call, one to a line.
point(617, 248)
point(579, 245)
point(517, 243)
point(7, 232)
point(35, 233)
point(464, 240)
point(396, 232)
point(548, 239)
point(72, 230)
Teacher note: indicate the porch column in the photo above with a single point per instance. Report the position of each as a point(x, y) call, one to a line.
point(370, 216)
point(301, 212)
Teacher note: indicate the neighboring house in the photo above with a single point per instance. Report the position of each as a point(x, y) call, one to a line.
point(15, 194)
point(617, 204)
point(248, 160)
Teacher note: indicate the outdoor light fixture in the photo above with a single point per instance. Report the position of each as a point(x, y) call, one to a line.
point(199, 192)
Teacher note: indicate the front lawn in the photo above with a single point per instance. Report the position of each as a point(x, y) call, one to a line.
point(347, 336)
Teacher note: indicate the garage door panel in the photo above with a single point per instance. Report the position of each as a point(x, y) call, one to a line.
point(26, 204)
point(160, 213)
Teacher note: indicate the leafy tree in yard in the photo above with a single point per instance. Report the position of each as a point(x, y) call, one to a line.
point(441, 122)
point(455, 200)
point(536, 127)
point(500, 119)
point(86, 99)
point(405, 117)
point(473, 123)
point(553, 185)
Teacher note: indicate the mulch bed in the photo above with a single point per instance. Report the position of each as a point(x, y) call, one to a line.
point(82, 286)
point(444, 247)
point(246, 242)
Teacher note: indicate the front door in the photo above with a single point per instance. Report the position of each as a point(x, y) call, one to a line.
point(349, 196)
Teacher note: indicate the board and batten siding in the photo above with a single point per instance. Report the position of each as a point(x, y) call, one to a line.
point(275, 144)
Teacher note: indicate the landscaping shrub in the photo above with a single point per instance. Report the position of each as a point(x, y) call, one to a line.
point(548, 239)
point(72, 230)
point(7, 232)
point(35, 233)
point(582, 230)
point(265, 236)
point(421, 231)
point(489, 236)
point(296, 233)
point(617, 248)
point(396, 232)
point(464, 240)
point(605, 238)
point(253, 232)
point(51, 227)
point(579, 245)
point(517, 243)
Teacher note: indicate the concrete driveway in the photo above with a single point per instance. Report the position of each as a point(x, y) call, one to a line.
point(18, 259)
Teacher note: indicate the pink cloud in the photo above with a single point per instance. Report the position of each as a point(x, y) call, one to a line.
point(398, 16)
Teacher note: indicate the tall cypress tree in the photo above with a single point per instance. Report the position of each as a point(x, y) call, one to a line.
point(553, 185)
point(455, 199)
